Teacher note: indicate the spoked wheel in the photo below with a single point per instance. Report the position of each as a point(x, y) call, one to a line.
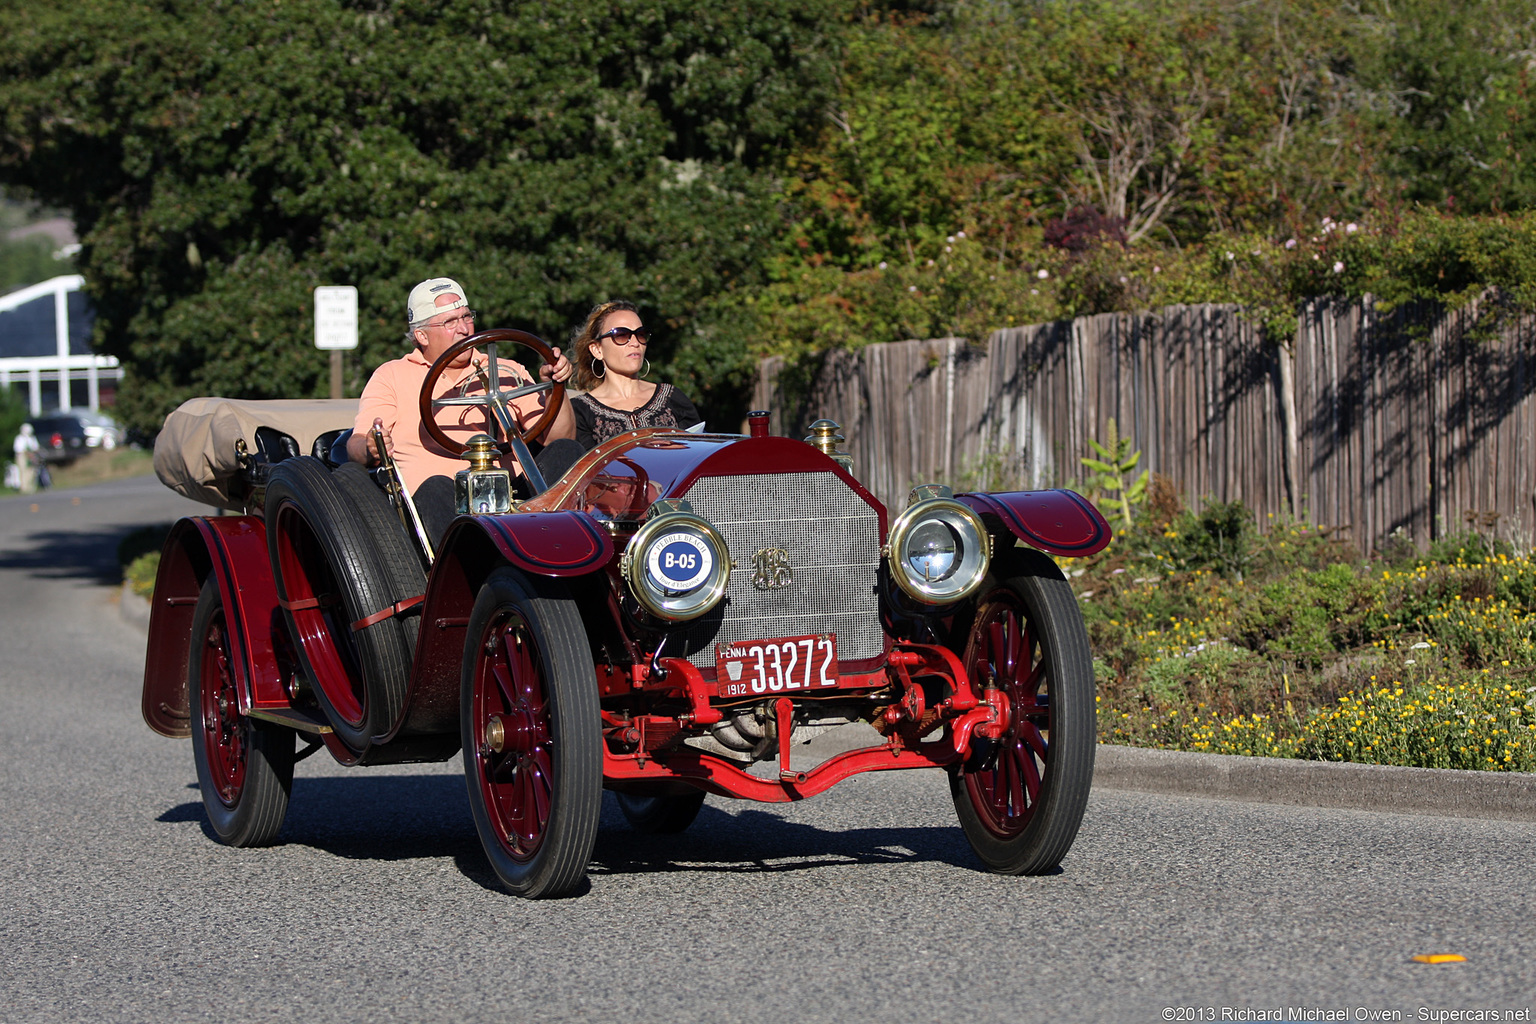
point(244, 767)
point(661, 815)
point(531, 732)
point(1021, 797)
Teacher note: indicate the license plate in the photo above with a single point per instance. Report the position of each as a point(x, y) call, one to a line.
point(784, 665)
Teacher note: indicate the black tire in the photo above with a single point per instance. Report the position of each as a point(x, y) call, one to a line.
point(661, 815)
point(320, 548)
point(530, 721)
point(1020, 798)
point(244, 766)
point(398, 554)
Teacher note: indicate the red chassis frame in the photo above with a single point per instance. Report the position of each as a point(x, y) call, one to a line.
point(555, 536)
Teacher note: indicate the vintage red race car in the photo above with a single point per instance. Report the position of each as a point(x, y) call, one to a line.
point(669, 619)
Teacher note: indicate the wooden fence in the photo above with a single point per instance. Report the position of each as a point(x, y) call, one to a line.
point(1418, 422)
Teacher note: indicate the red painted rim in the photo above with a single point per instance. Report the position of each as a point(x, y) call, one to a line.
point(1005, 653)
point(305, 575)
point(517, 782)
point(224, 733)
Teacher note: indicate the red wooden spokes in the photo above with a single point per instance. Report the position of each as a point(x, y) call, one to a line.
point(224, 738)
point(1004, 653)
point(511, 708)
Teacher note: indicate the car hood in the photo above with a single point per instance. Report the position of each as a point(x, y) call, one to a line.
point(621, 478)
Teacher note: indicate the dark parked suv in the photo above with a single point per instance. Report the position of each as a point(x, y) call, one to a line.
point(60, 439)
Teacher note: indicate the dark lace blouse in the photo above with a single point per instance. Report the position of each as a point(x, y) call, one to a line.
point(596, 422)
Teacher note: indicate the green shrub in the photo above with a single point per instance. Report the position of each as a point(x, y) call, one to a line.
point(140, 573)
point(1414, 658)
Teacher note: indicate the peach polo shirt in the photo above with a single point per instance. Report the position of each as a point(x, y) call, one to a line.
point(393, 394)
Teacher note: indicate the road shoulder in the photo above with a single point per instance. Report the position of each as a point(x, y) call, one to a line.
point(1366, 787)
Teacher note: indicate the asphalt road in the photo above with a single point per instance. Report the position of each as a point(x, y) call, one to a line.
point(864, 903)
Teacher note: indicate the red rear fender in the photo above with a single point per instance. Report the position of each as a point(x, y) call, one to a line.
point(234, 550)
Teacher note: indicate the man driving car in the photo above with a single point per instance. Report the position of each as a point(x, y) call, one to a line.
point(439, 317)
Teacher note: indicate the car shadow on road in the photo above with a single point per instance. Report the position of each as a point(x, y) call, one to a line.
point(369, 817)
point(755, 841)
point(89, 555)
point(406, 817)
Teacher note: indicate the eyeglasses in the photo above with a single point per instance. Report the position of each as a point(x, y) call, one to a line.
point(467, 318)
point(621, 335)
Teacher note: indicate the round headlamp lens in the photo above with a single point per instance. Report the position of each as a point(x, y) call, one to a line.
point(931, 549)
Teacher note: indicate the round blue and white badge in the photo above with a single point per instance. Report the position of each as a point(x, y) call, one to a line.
point(679, 561)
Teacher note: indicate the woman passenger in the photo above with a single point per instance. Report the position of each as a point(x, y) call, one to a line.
point(610, 367)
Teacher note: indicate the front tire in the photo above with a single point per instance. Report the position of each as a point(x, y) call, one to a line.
point(531, 729)
point(244, 767)
point(1020, 798)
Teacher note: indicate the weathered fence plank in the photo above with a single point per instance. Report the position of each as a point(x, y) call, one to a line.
point(1407, 423)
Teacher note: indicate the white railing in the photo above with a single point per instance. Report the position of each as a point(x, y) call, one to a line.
point(62, 368)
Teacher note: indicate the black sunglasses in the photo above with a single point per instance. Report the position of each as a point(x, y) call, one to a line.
point(621, 335)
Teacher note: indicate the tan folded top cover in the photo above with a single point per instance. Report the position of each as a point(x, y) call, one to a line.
point(195, 452)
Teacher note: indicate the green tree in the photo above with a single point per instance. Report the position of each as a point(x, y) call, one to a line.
point(1454, 95)
point(222, 158)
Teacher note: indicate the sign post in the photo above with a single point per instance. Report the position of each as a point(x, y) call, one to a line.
point(336, 325)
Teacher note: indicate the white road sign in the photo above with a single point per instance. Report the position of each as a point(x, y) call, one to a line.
point(336, 316)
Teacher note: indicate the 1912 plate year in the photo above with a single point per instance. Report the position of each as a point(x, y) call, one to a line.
point(750, 667)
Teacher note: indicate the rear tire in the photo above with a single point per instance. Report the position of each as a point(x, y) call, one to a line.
point(1020, 798)
point(244, 766)
point(661, 815)
point(531, 730)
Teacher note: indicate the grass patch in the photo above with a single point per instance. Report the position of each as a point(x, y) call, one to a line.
point(1210, 634)
point(98, 467)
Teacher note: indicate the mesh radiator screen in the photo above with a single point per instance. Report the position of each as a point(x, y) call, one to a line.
point(832, 538)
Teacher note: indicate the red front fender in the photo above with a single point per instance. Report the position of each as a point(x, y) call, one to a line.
point(561, 544)
point(1061, 522)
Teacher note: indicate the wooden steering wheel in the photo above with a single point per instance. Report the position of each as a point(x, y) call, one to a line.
point(496, 400)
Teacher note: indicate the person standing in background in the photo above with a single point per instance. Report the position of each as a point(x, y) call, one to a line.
point(25, 448)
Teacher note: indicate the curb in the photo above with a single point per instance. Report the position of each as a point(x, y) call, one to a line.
point(1367, 787)
point(134, 609)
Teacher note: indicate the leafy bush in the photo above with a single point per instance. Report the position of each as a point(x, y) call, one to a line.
point(955, 288)
point(140, 573)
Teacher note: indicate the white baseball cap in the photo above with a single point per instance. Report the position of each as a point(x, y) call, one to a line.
point(422, 304)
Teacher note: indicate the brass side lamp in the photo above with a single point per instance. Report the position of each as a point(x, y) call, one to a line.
point(482, 488)
point(824, 437)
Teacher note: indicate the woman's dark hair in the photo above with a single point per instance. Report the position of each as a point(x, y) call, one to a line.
point(583, 337)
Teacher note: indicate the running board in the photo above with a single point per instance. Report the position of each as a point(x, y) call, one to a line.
point(293, 718)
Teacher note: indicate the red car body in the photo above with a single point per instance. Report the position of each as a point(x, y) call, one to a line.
point(988, 687)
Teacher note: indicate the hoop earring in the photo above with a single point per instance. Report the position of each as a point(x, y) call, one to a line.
point(597, 369)
point(647, 370)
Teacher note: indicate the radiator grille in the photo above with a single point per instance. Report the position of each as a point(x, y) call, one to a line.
point(833, 540)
